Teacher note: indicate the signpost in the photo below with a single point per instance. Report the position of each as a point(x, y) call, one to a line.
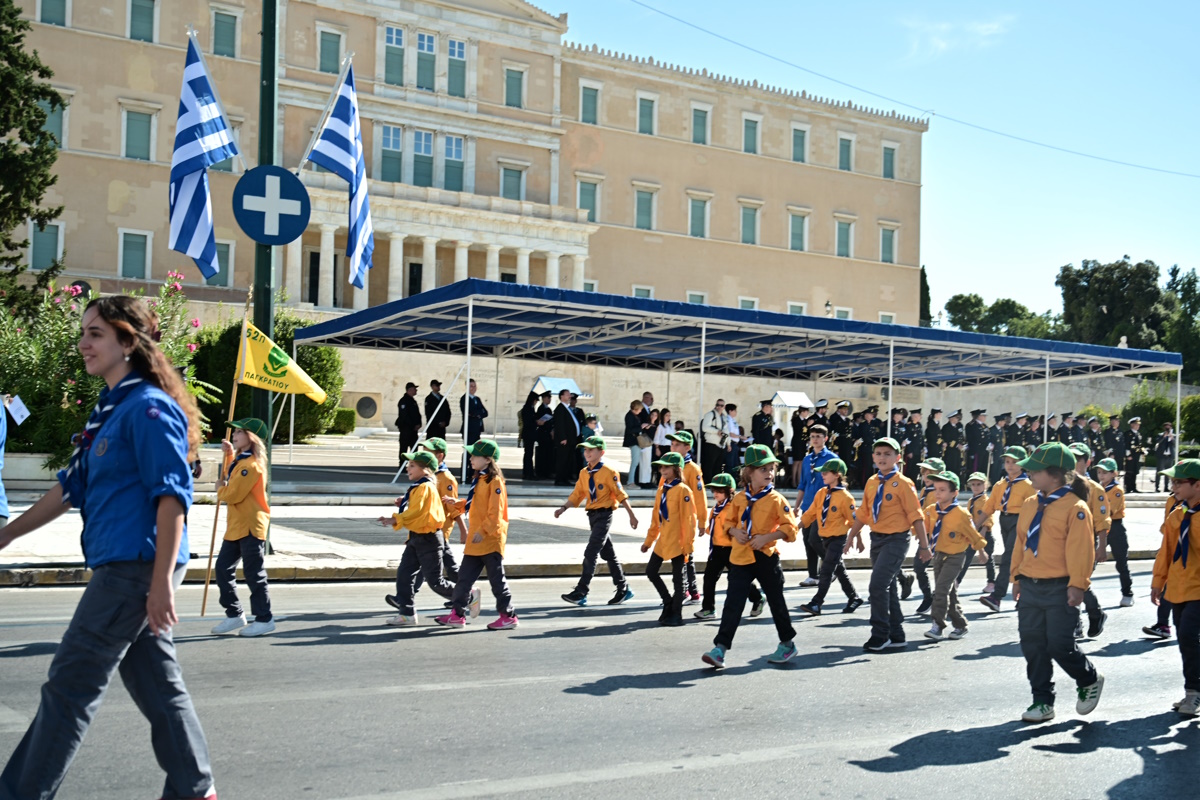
point(271, 206)
point(264, 265)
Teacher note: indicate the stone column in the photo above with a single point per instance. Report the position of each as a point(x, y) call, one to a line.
point(294, 254)
point(469, 166)
point(461, 250)
point(493, 262)
point(361, 297)
point(325, 268)
point(552, 269)
point(554, 177)
point(429, 263)
point(523, 264)
point(395, 266)
point(439, 159)
point(577, 274)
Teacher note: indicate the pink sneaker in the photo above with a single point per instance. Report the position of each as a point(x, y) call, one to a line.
point(504, 623)
point(451, 620)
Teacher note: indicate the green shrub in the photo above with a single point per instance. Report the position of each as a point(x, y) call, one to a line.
point(344, 421)
point(1154, 402)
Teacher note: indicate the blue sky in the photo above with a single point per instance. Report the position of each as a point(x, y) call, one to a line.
point(999, 217)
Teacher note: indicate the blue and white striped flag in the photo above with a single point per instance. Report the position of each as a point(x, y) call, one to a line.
point(339, 149)
point(202, 138)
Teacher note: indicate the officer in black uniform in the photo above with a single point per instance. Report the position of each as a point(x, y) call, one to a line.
point(996, 437)
point(822, 415)
point(1034, 433)
point(1135, 451)
point(953, 440)
point(841, 440)
point(1114, 440)
point(914, 445)
point(1095, 436)
point(977, 442)
point(933, 434)
point(864, 439)
point(1079, 431)
point(1015, 433)
point(1064, 430)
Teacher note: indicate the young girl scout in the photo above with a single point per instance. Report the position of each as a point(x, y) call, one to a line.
point(832, 511)
point(1177, 577)
point(1101, 522)
point(600, 485)
point(977, 484)
point(760, 517)
point(1162, 628)
point(720, 547)
point(928, 469)
point(423, 514)
point(952, 532)
point(129, 473)
point(682, 443)
point(1051, 568)
point(891, 508)
point(1008, 497)
point(672, 534)
point(447, 486)
point(1117, 539)
point(486, 507)
point(243, 490)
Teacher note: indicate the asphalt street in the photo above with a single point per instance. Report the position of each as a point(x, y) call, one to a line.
point(601, 702)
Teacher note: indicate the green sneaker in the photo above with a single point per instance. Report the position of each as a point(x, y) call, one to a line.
point(1038, 712)
point(703, 614)
point(715, 657)
point(1089, 696)
point(785, 652)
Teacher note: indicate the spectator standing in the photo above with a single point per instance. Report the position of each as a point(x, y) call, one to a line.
point(638, 475)
point(713, 430)
point(529, 435)
point(408, 420)
point(581, 418)
point(437, 413)
point(1164, 454)
point(472, 420)
point(566, 436)
point(664, 429)
point(544, 462)
point(733, 449)
point(1135, 451)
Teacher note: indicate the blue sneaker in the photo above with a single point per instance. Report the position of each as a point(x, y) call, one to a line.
point(785, 652)
point(623, 595)
point(715, 657)
point(575, 598)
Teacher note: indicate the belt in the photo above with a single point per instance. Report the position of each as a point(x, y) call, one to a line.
point(1009, 514)
point(601, 510)
point(427, 533)
point(1045, 581)
point(886, 533)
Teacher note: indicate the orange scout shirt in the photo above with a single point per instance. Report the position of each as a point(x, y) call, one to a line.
point(425, 512)
point(448, 487)
point(771, 513)
point(1066, 543)
point(1022, 490)
point(1116, 500)
point(1098, 505)
point(957, 533)
point(676, 533)
point(488, 517)
point(609, 493)
point(1182, 584)
point(899, 509)
point(249, 514)
point(718, 523)
point(838, 520)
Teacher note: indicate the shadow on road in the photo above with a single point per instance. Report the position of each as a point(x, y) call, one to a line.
point(29, 649)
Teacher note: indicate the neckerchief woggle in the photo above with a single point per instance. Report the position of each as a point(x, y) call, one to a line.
point(1035, 527)
point(663, 515)
point(592, 479)
point(404, 503)
point(1024, 476)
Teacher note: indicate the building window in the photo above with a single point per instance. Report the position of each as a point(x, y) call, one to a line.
point(508, 277)
point(644, 210)
point(456, 68)
point(845, 154)
point(886, 318)
point(646, 115)
point(45, 244)
point(226, 165)
point(514, 88)
point(845, 239)
point(797, 309)
point(141, 20)
point(54, 121)
point(423, 158)
point(589, 105)
point(749, 225)
point(644, 292)
point(135, 254)
point(588, 194)
point(512, 183)
point(889, 163)
point(224, 34)
point(698, 217)
point(750, 136)
point(840, 312)
point(393, 56)
point(224, 266)
point(799, 227)
point(748, 303)
point(454, 164)
point(331, 52)
point(426, 61)
point(799, 145)
point(139, 128)
point(699, 125)
point(54, 12)
point(887, 245)
point(589, 286)
point(698, 298)
point(391, 165)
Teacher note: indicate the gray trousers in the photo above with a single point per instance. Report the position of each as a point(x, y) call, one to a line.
point(422, 558)
point(1047, 628)
point(1008, 532)
point(599, 545)
point(887, 557)
point(472, 567)
point(249, 551)
point(109, 633)
point(945, 589)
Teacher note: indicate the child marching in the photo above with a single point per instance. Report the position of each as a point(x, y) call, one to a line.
point(1008, 497)
point(682, 443)
point(720, 547)
point(1106, 472)
point(242, 489)
point(1162, 628)
point(672, 534)
point(832, 512)
point(447, 486)
point(1177, 581)
point(600, 485)
point(1101, 522)
point(977, 484)
point(953, 533)
point(486, 509)
point(929, 469)
point(421, 511)
point(760, 517)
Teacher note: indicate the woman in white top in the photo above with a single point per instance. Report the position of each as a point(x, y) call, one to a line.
point(665, 427)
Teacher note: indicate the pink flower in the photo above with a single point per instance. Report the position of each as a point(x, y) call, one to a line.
point(192, 347)
point(196, 322)
point(78, 402)
point(57, 300)
point(176, 286)
point(74, 307)
point(71, 382)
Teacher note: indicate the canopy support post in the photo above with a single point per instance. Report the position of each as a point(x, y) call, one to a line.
point(1178, 413)
point(292, 426)
point(1046, 418)
point(700, 412)
point(891, 376)
point(466, 412)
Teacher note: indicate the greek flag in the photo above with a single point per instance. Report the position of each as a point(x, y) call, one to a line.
point(339, 149)
point(202, 138)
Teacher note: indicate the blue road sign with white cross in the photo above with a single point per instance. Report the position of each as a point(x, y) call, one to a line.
point(271, 205)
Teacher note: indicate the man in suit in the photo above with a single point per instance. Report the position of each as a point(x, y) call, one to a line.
point(1135, 451)
point(472, 420)
point(566, 437)
point(581, 418)
point(408, 420)
point(934, 443)
point(544, 461)
point(953, 438)
point(436, 411)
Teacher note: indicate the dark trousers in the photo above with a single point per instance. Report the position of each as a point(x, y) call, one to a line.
point(1119, 542)
point(718, 561)
point(1187, 632)
point(921, 570)
point(672, 601)
point(832, 565)
point(422, 557)
point(107, 634)
point(600, 544)
point(249, 551)
point(1165, 610)
point(711, 458)
point(1047, 628)
point(990, 565)
point(769, 574)
point(408, 441)
point(887, 557)
point(527, 471)
point(472, 567)
point(544, 462)
point(689, 577)
point(1008, 533)
point(813, 550)
point(564, 465)
point(1132, 467)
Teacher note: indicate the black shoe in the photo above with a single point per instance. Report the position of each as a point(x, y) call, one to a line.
point(876, 645)
point(1079, 629)
point(392, 601)
point(622, 594)
point(1096, 625)
point(811, 608)
point(575, 598)
point(906, 584)
point(674, 621)
point(448, 604)
point(853, 605)
point(926, 604)
point(896, 644)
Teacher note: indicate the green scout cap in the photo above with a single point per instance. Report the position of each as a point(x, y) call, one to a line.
point(722, 481)
point(1081, 450)
point(1108, 465)
point(1016, 452)
point(484, 447)
point(834, 465)
point(887, 441)
point(935, 464)
point(670, 460)
point(947, 476)
point(759, 455)
point(424, 458)
point(1050, 454)
point(682, 436)
point(594, 442)
point(436, 445)
point(1188, 469)
point(977, 476)
point(251, 425)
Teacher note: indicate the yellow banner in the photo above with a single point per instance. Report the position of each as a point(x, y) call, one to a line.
point(265, 365)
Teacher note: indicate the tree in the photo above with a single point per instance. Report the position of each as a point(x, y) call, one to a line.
point(964, 311)
point(1103, 302)
point(1000, 314)
point(1182, 330)
point(926, 303)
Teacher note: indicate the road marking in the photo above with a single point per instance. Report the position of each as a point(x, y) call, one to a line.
point(12, 721)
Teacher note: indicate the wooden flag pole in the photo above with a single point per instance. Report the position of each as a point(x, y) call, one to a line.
point(241, 367)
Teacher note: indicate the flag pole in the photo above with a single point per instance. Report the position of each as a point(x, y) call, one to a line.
point(193, 34)
point(337, 88)
point(241, 370)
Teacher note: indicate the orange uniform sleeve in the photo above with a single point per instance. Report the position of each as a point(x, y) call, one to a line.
point(911, 506)
point(810, 516)
point(1166, 552)
point(580, 492)
point(655, 522)
point(786, 521)
point(683, 504)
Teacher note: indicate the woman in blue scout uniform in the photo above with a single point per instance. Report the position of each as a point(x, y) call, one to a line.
point(130, 480)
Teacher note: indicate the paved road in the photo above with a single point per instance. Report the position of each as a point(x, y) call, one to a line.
point(601, 702)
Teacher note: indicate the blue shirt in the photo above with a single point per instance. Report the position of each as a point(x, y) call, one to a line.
point(810, 476)
point(139, 455)
point(3, 439)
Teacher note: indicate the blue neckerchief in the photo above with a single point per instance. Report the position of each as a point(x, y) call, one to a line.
point(663, 515)
point(75, 478)
point(1111, 485)
point(716, 512)
point(592, 480)
point(751, 499)
point(1181, 548)
point(925, 492)
point(825, 505)
point(442, 467)
point(1035, 527)
point(471, 494)
point(234, 463)
point(975, 498)
point(937, 526)
point(408, 494)
point(878, 503)
point(687, 457)
point(1024, 476)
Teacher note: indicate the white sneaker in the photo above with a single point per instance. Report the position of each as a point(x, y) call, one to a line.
point(1089, 696)
point(1038, 712)
point(230, 624)
point(958, 633)
point(1127, 601)
point(690, 601)
point(402, 621)
point(257, 628)
point(473, 602)
point(810, 582)
point(991, 587)
point(934, 633)
point(1189, 706)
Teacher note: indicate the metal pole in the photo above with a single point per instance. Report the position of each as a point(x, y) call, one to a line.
point(1178, 418)
point(264, 268)
point(891, 375)
point(292, 427)
point(1046, 418)
point(467, 401)
point(699, 446)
